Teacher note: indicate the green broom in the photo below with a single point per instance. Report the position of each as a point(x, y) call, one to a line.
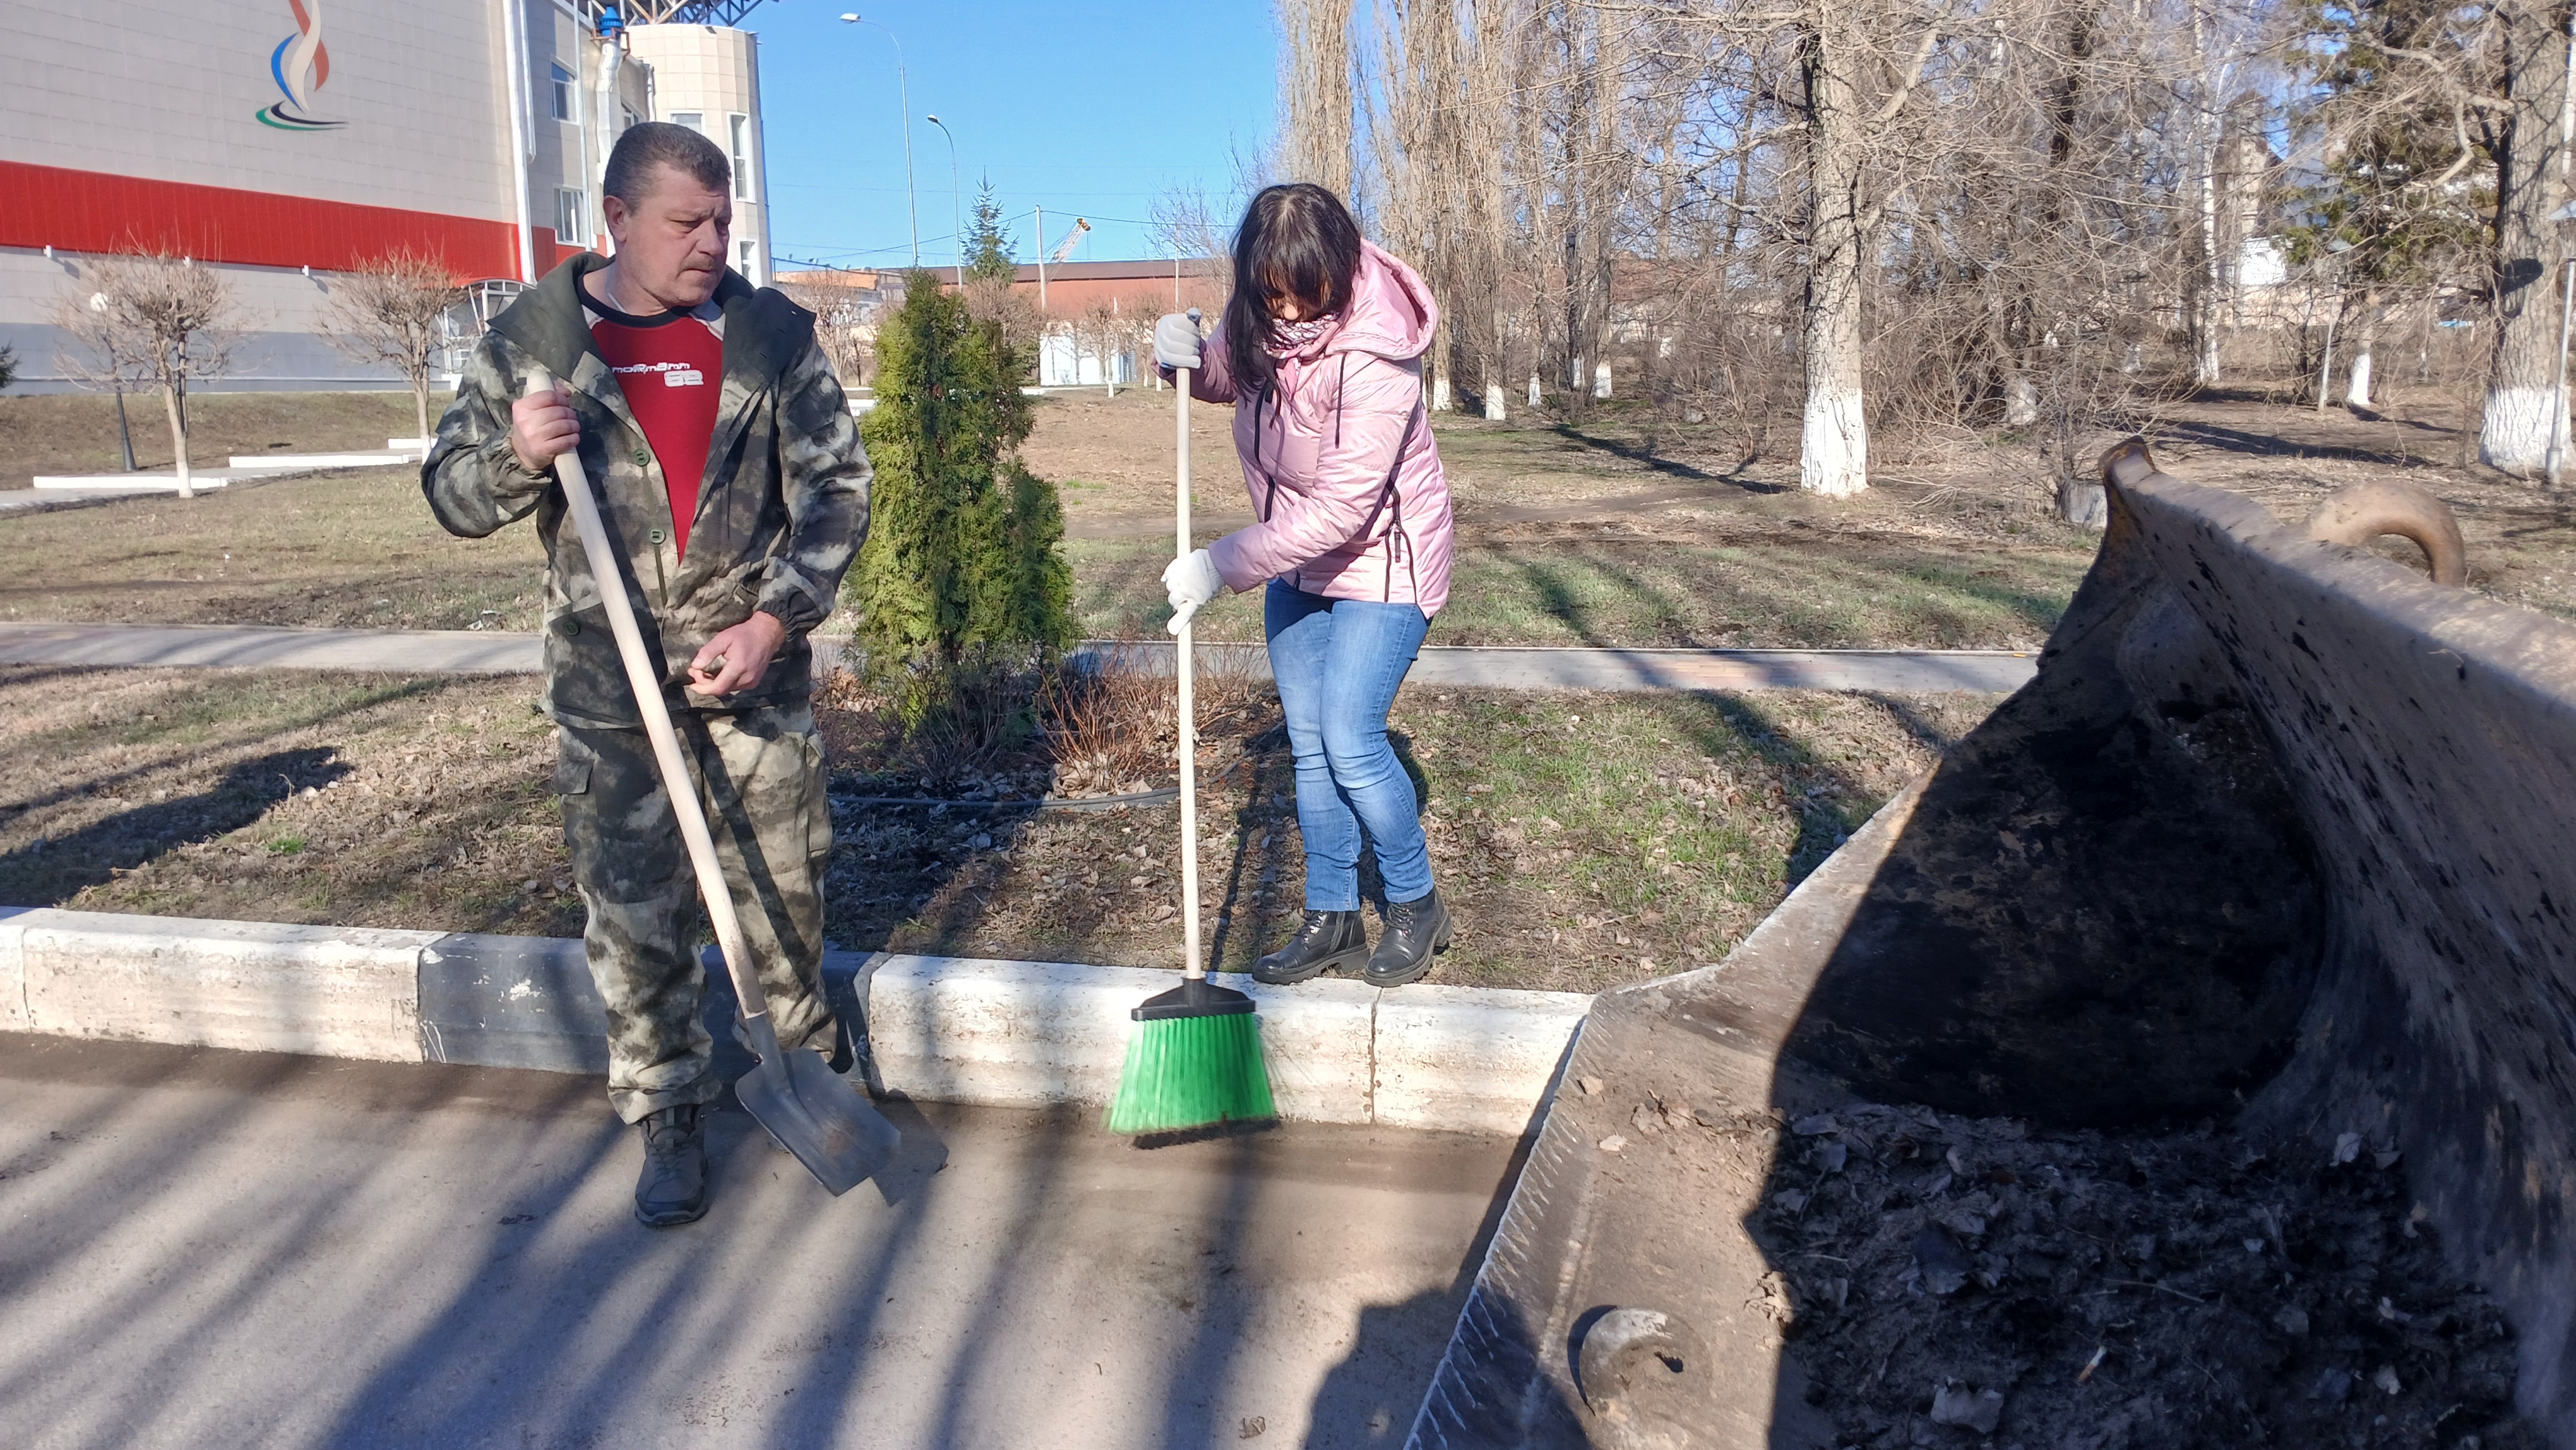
point(1195, 1060)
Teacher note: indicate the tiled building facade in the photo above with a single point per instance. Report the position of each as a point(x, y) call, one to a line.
point(282, 140)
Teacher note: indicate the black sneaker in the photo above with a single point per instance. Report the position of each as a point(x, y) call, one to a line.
point(1415, 931)
point(1324, 940)
point(673, 1188)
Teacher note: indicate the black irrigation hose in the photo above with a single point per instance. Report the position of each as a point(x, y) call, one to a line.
point(1049, 803)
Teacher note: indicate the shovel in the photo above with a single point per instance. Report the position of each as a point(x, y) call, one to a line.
point(813, 1112)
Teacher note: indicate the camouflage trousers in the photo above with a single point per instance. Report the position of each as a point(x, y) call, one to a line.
point(760, 778)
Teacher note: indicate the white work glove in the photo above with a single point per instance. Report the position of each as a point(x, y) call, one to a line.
point(1192, 581)
point(1176, 340)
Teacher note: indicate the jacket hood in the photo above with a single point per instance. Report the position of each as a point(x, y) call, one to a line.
point(1391, 313)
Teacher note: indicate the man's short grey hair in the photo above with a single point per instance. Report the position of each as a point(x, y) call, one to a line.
point(648, 144)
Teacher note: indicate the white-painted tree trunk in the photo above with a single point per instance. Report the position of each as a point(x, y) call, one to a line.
point(2365, 340)
point(1533, 390)
point(1440, 396)
point(2021, 400)
point(2205, 300)
point(1601, 380)
point(2523, 408)
point(2211, 133)
point(178, 439)
point(1833, 445)
point(1833, 451)
point(1493, 401)
point(2513, 428)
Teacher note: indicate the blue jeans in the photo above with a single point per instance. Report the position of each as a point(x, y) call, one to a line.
point(1338, 663)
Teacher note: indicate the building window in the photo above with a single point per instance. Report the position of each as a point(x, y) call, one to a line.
point(744, 266)
point(694, 120)
point(568, 214)
point(741, 155)
point(563, 94)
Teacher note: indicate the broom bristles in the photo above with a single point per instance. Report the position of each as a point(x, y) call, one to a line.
point(1192, 1072)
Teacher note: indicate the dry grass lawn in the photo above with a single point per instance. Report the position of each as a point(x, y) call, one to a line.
point(349, 549)
point(1584, 840)
point(76, 432)
point(1621, 531)
point(1628, 530)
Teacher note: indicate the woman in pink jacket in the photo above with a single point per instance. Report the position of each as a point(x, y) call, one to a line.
point(1320, 352)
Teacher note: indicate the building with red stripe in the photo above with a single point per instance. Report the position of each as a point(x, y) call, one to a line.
point(281, 141)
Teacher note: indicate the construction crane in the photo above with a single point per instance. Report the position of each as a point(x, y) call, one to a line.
point(1079, 227)
point(686, 12)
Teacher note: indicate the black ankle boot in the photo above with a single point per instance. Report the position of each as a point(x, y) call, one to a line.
point(1324, 940)
point(673, 1188)
point(1415, 930)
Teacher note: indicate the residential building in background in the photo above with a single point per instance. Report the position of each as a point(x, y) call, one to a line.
point(707, 78)
point(283, 140)
point(1099, 316)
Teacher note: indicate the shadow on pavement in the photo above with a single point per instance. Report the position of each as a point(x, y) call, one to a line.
point(355, 1254)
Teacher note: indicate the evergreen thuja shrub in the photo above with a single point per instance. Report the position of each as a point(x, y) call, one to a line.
point(962, 572)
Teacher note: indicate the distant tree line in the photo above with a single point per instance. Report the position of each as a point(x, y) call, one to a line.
point(2029, 217)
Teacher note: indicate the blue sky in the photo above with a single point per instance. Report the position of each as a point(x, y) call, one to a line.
point(1089, 109)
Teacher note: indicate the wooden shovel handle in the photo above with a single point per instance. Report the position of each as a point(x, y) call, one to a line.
point(678, 781)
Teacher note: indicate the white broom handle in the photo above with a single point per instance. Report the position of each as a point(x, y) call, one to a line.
point(677, 782)
point(1192, 966)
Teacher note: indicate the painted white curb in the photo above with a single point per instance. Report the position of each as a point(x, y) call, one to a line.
point(142, 481)
point(364, 458)
point(1450, 1056)
point(254, 986)
point(942, 1029)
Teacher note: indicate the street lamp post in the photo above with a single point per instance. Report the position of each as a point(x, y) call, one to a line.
point(2554, 466)
point(903, 92)
point(956, 203)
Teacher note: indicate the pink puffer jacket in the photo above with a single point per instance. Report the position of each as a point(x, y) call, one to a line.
point(1345, 479)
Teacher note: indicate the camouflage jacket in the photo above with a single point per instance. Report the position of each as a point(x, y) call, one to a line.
point(782, 509)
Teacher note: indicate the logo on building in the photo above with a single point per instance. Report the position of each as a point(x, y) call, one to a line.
point(300, 65)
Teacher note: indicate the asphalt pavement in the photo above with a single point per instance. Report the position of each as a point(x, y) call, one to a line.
point(212, 1248)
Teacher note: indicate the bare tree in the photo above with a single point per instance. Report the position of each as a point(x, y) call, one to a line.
point(841, 322)
point(393, 310)
point(994, 299)
point(1315, 93)
point(1186, 226)
point(1116, 327)
point(157, 320)
point(1905, 221)
point(2524, 412)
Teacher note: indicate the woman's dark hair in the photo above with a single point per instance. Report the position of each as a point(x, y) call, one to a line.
point(1296, 241)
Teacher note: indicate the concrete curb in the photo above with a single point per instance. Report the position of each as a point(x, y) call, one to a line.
point(944, 1029)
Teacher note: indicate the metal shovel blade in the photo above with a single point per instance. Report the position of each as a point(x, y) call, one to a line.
point(815, 1113)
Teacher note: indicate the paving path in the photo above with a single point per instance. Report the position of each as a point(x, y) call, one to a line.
point(1469, 666)
point(213, 1248)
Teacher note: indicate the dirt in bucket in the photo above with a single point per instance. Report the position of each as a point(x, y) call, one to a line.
point(1951, 1282)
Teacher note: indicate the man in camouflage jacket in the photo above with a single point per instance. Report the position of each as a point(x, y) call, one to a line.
point(781, 509)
